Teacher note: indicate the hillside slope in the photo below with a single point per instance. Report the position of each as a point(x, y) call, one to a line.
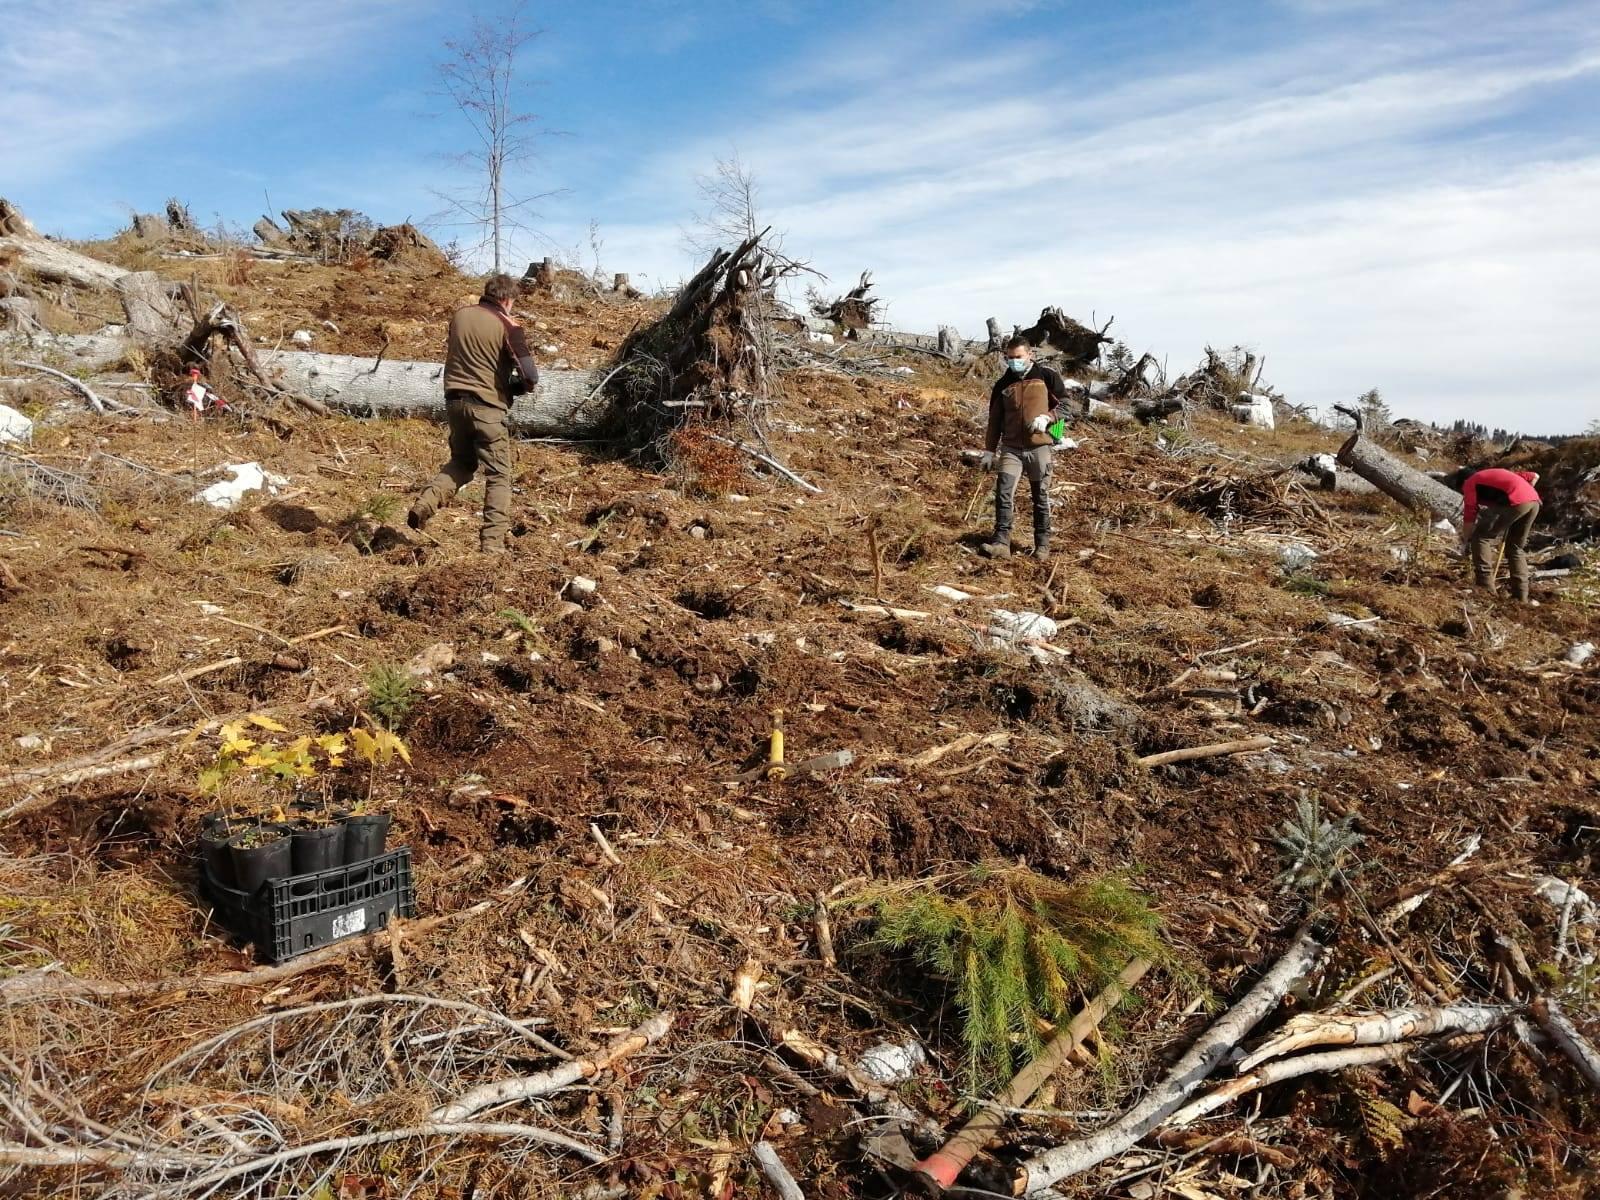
point(595, 751)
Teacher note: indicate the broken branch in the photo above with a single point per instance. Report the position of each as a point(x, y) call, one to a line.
point(524, 1087)
point(1071, 1158)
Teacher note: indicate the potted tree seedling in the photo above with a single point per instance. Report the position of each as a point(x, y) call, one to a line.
point(366, 829)
point(260, 853)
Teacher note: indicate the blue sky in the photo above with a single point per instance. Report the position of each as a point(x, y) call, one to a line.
point(1401, 196)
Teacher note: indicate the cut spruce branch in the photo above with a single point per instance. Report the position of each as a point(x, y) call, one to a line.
point(1375, 1029)
point(525, 1087)
point(943, 1167)
point(52, 983)
point(1224, 1145)
point(1050, 1167)
point(1216, 750)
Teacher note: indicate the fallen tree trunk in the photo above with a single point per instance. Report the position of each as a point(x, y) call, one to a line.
point(565, 404)
point(1398, 481)
point(1049, 1168)
point(53, 261)
point(1146, 411)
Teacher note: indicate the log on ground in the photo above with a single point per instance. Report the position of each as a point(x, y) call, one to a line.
point(564, 405)
point(1396, 480)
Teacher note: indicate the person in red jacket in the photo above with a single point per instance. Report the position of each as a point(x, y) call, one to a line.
point(1500, 505)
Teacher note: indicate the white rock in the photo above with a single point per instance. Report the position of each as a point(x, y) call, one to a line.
point(950, 593)
point(440, 656)
point(14, 426)
point(550, 348)
point(1296, 556)
point(825, 339)
point(1579, 653)
point(30, 741)
point(243, 477)
point(901, 371)
point(580, 588)
point(1254, 410)
point(890, 1063)
point(1008, 626)
point(1556, 892)
point(301, 338)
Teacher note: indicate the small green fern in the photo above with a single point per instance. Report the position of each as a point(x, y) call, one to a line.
point(1018, 949)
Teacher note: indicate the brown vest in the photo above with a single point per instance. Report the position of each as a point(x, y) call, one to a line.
point(1020, 403)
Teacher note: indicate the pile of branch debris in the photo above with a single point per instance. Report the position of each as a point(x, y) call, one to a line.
point(340, 235)
point(852, 312)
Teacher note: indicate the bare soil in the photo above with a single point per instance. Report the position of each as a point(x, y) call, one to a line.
point(1439, 716)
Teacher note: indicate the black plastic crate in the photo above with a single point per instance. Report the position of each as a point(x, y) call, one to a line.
point(296, 914)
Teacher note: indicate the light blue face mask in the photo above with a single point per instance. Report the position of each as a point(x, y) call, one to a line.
point(1019, 365)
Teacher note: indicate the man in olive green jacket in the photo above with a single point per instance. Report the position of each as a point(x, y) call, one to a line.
point(486, 364)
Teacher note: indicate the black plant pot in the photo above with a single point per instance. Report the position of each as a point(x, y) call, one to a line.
point(316, 847)
point(364, 836)
point(318, 810)
point(214, 850)
point(254, 865)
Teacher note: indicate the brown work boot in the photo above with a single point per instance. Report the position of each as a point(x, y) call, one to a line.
point(414, 521)
point(995, 549)
point(1041, 550)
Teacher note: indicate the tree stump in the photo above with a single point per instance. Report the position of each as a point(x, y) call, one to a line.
point(541, 274)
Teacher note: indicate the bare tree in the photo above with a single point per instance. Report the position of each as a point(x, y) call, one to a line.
point(481, 80)
point(730, 196)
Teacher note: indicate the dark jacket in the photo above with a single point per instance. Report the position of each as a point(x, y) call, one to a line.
point(480, 356)
point(1015, 400)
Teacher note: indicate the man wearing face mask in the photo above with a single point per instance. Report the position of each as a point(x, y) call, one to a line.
point(1022, 406)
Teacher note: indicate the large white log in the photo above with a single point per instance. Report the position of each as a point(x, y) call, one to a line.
point(74, 351)
point(565, 404)
point(1399, 481)
point(52, 260)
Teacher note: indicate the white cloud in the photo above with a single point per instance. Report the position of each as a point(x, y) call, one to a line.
point(77, 81)
point(1332, 204)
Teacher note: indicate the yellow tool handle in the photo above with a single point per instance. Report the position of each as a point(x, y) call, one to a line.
point(775, 768)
